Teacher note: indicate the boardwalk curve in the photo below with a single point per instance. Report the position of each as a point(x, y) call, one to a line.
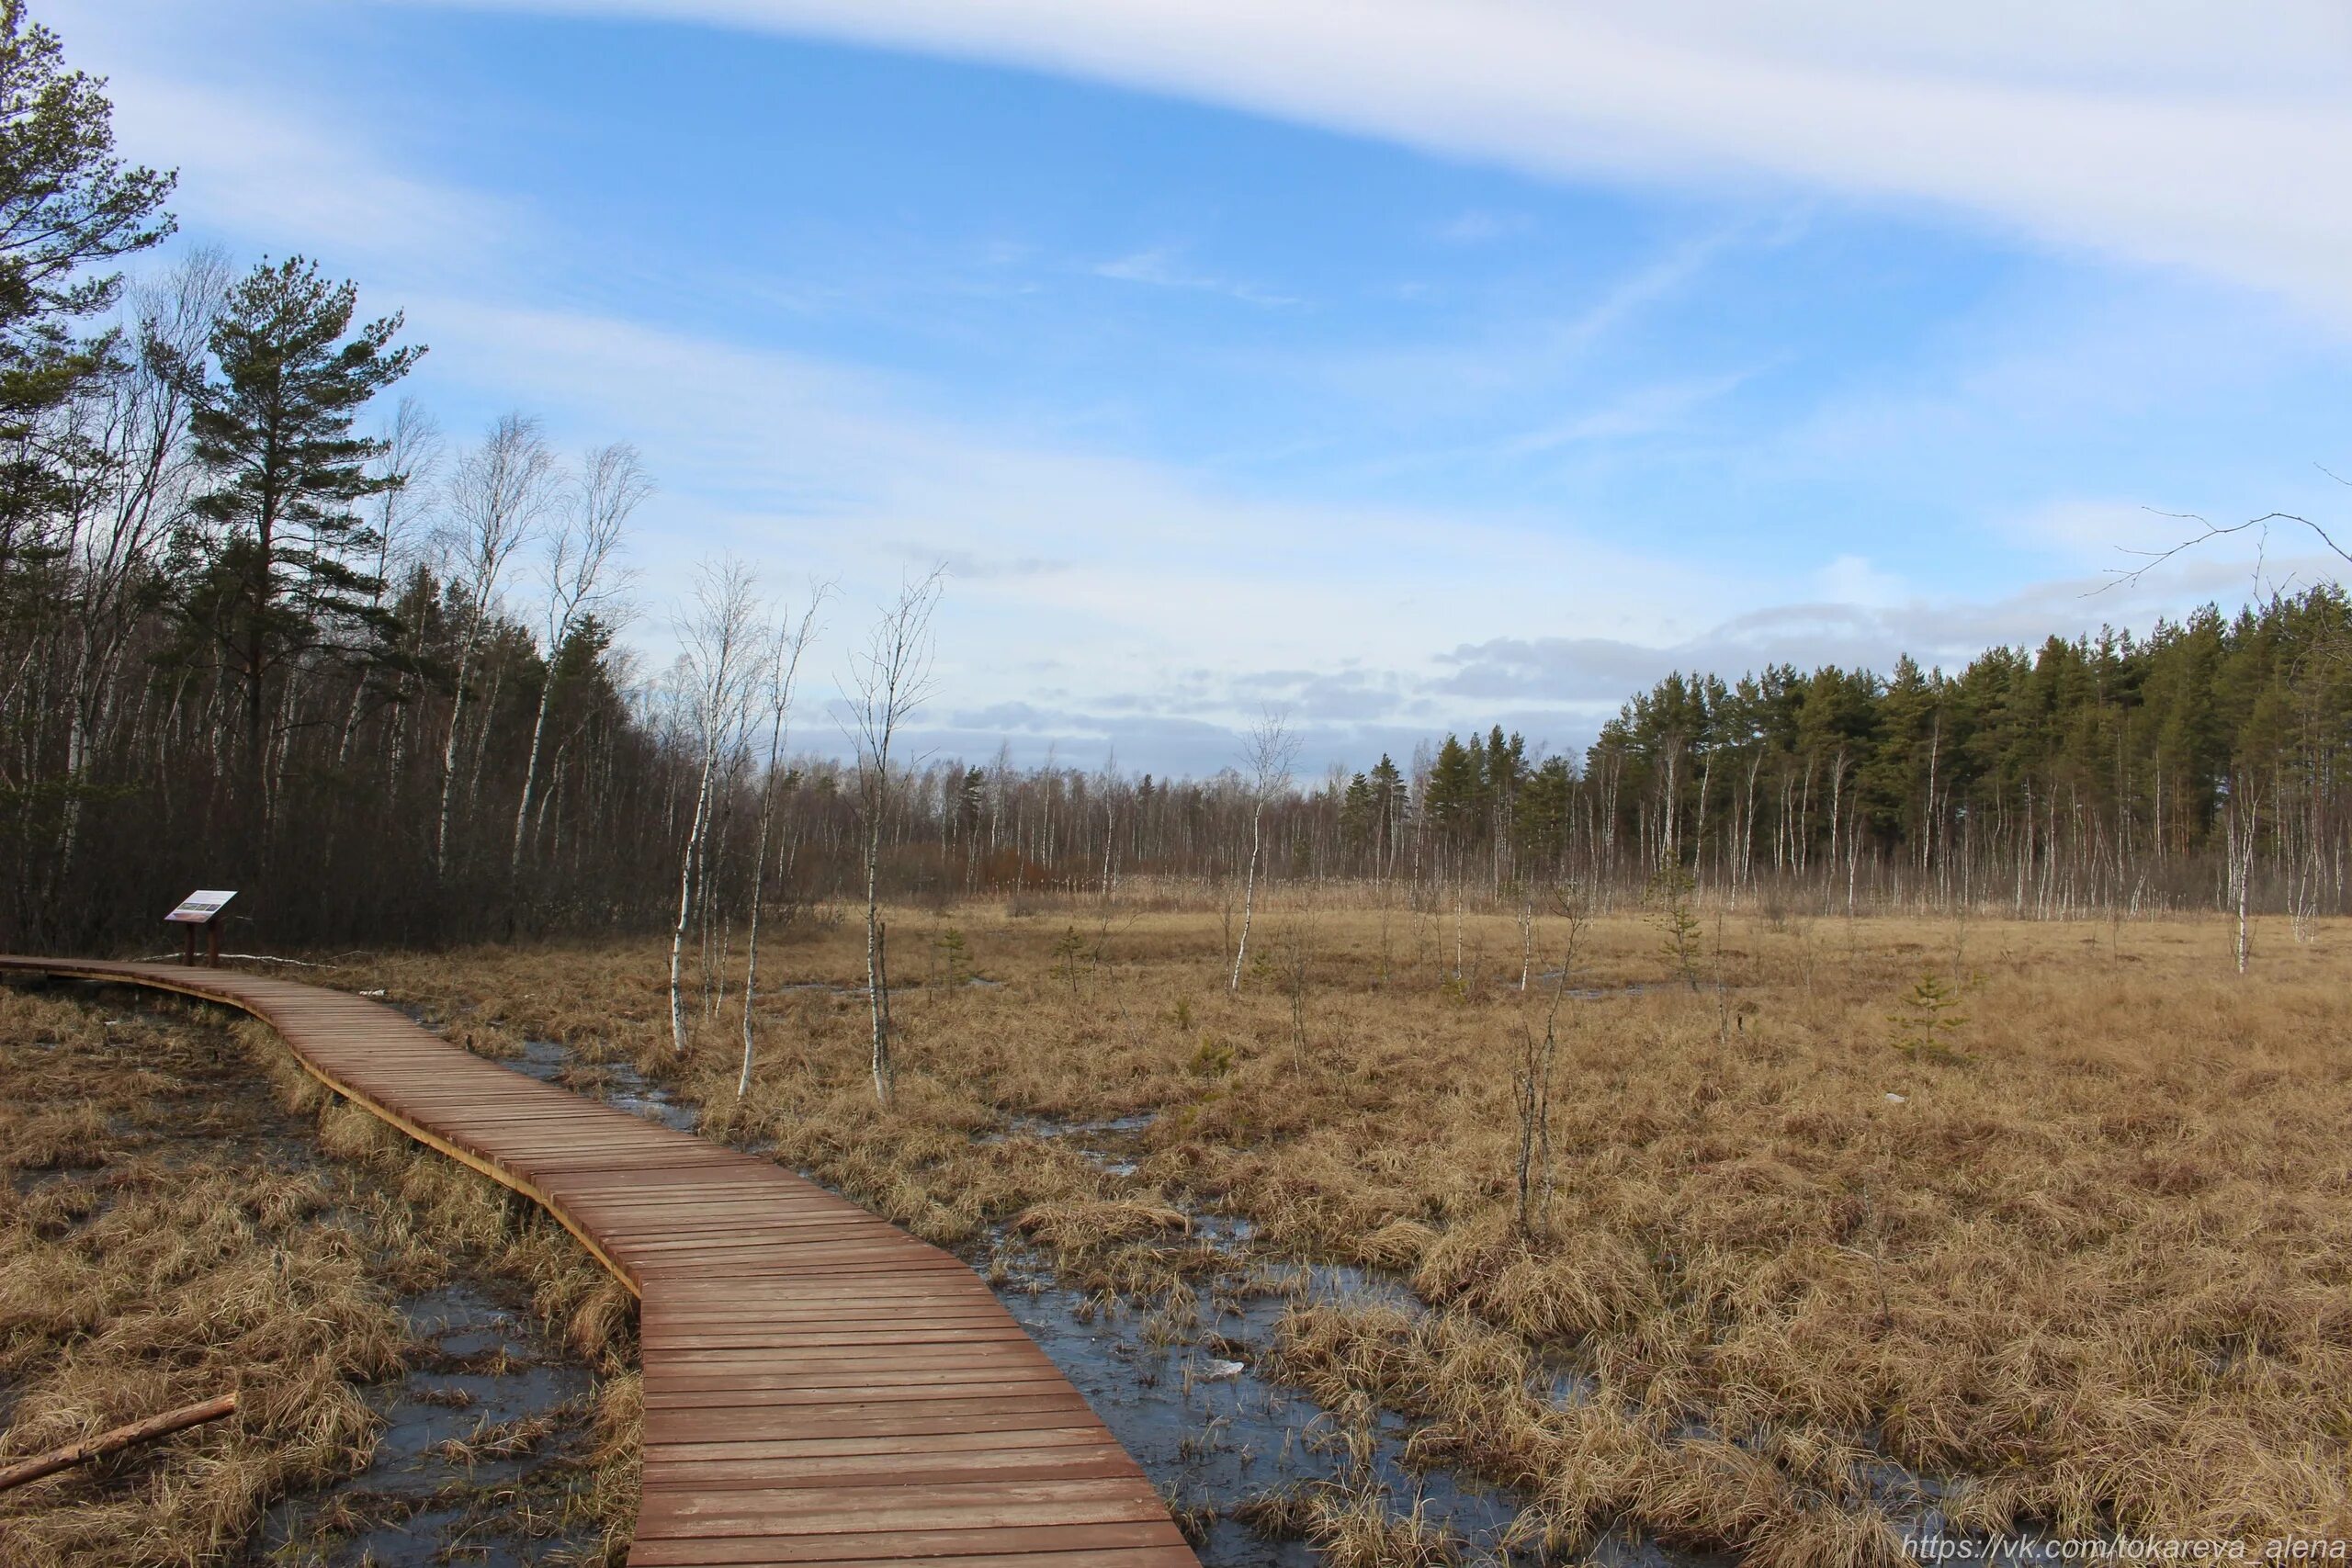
point(819, 1387)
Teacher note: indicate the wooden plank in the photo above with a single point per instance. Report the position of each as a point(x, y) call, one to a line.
point(949, 1505)
point(1034, 1547)
point(906, 1446)
point(821, 1388)
point(922, 1311)
point(1096, 1461)
point(999, 1359)
point(939, 1419)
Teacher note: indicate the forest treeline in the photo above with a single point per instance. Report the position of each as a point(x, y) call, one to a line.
point(263, 627)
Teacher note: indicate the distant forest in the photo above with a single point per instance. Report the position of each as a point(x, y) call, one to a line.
point(262, 627)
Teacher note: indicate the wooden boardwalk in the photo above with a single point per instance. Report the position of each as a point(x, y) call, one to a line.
point(819, 1387)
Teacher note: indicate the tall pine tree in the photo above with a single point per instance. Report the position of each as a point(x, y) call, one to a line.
point(273, 544)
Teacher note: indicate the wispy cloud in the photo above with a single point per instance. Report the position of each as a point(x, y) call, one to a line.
point(1526, 356)
point(263, 152)
point(1145, 568)
point(1479, 226)
point(1644, 410)
point(1157, 269)
point(2218, 137)
point(249, 168)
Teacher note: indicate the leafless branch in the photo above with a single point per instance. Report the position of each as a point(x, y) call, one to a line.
point(2120, 577)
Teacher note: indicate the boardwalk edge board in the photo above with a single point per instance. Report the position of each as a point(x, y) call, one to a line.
point(821, 1386)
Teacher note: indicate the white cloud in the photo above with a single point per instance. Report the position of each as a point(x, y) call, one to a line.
point(2214, 137)
point(252, 171)
point(1584, 677)
point(1852, 579)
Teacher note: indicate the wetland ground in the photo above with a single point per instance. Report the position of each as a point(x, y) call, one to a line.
point(1837, 1233)
point(1834, 1235)
point(417, 1359)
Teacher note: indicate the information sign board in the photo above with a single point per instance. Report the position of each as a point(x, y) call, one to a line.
point(200, 906)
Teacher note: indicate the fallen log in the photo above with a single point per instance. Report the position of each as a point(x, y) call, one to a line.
point(104, 1443)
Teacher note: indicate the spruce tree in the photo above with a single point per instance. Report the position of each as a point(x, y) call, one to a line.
point(1388, 802)
point(1454, 784)
point(1358, 815)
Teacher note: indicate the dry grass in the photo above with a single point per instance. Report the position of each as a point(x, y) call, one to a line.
point(149, 1270)
point(168, 1233)
point(2094, 1263)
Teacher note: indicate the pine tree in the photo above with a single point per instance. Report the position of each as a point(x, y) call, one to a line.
point(272, 553)
point(67, 204)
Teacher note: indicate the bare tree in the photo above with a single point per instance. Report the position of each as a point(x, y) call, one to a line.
point(2243, 815)
point(137, 475)
point(720, 633)
point(888, 681)
point(496, 497)
point(411, 455)
point(581, 582)
point(1534, 1086)
point(783, 668)
point(1267, 758)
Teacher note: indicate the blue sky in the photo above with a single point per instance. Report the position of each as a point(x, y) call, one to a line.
point(1407, 366)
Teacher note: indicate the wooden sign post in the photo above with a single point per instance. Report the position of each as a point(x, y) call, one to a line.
point(202, 908)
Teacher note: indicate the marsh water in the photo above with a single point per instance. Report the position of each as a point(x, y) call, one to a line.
point(1180, 1389)
point(477, 1440)
point(481, 1435)
point(1210, 1431)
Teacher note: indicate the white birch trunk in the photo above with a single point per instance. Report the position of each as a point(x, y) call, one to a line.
point(1248, 898)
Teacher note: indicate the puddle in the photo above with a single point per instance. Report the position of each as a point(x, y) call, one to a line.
point(1210, 1431)
point(1046, 1127)
point(545, 1060)
point(481, 1440)
point(486, 1402)
point(618, 1083)
point(1116, 1162)
point(1550, 979)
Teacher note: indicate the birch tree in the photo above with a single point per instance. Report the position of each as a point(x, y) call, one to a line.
point(720, 634)
point(888, 679)
point(782, 670)
point(497, 496)
point(140, 474)
point(1267, 757)
point(581, 581)
point(410, 458)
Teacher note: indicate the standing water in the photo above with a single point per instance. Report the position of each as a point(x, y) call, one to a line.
point(1178, 1383)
